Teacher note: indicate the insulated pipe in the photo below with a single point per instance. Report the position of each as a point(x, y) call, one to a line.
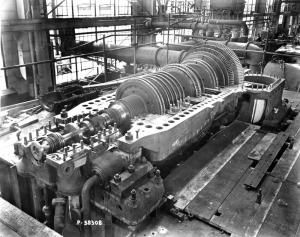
point(213, 24)
point(157, 56)
point(253, 59)
point(239, 23)
point(144, 54)
point(187, 25)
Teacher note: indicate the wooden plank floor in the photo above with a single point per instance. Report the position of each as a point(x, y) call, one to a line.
point(208, 201)
point(277, 213)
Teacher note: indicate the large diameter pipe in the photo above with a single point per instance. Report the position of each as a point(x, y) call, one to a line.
point(144, 54)
point(242, 50)
point(158, 55)
point(213, 24)
point(289, 71)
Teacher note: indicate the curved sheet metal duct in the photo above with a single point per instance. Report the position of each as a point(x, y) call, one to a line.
point(289, 71)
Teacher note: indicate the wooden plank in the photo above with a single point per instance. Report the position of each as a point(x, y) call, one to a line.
point(13, 174)
point(283, 218)
point(240, 213)
point(294, 175)
point(256, 175)
point(207, 202)
point(5, 231)
point(22, 223)
point(186, 171)
point(289, 163)
point(190, 191)
point(261, 147)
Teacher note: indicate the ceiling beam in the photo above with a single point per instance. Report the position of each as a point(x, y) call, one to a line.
point(61, 23)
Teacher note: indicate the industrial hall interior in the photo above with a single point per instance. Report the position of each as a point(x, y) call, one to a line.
point(150, 118)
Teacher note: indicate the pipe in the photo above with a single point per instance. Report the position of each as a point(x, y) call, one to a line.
point(239, 23)
point(144, 54)
point(59, 216)
point(289, 71)
point(213, 24)
point(248, 53)
point(104, 167)
point(85, 198)
point(157, 55)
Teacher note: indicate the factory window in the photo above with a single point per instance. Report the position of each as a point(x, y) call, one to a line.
point(179, 6)
point(88, 8)
point(123, 7)
point(270, 6)
point(63, 10)
point(85, 8)
point(80, 68)
point(106, 8)
point(248, 11)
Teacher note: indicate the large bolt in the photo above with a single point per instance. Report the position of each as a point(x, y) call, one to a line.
point(259, 196)
point(128, 136)
point(157, 173)
point(131, 168)
point(37, 133)
point(99, 137)
point(66, 151)
point(45, 130)
point(74, 148)
point(18, 135)
point(49, 125)
point(81, 144)
point(133, 195)
point(117, 178)
point(110, 129)
point(137, 133)
point(157, 176)
point(64, 113)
